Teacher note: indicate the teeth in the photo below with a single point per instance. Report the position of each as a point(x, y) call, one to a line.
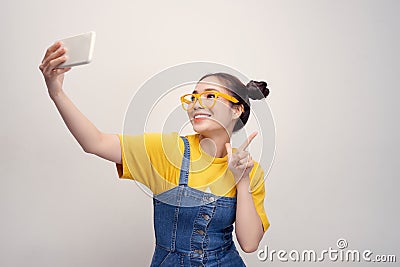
point(201, 116)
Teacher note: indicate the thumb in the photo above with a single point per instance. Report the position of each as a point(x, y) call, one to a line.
point(229, 150)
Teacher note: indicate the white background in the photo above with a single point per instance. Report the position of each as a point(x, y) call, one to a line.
point(332, 68)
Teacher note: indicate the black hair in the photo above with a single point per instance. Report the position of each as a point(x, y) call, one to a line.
point(254, 90)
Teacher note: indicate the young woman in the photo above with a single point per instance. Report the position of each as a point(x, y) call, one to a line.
point(200, 185)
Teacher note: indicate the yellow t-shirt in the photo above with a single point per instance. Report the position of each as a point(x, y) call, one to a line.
point(154, 159)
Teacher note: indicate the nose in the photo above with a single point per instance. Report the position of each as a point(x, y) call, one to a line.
point(197, 104)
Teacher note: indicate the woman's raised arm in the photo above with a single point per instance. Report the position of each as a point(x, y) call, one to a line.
point(88, 136)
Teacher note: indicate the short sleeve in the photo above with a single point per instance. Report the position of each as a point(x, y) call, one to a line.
point(257, 188)
point(122, 169)
point(151, 159)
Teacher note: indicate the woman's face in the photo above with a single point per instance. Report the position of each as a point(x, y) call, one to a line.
point(221, 118)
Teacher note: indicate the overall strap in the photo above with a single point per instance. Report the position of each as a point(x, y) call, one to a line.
point(183, 178)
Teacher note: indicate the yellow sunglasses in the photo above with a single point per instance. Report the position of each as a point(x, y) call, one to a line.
point(207, 99)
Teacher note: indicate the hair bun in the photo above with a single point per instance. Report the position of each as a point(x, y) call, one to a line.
point(257, 90)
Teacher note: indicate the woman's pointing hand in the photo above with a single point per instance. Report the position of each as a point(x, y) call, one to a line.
point(240, 163)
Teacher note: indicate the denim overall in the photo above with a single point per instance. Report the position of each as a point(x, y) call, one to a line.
point(192, 227)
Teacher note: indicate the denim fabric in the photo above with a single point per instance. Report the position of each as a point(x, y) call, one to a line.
point(192, 227)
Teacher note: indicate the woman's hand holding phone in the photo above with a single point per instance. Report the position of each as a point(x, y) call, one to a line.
point(54, 76)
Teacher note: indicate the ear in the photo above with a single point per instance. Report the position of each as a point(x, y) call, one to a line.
point(237, 111)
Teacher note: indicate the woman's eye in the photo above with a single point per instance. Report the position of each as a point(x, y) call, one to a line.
point(211, 95)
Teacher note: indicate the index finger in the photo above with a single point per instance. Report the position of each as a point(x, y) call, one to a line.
point(52, 49)
point(248, 141)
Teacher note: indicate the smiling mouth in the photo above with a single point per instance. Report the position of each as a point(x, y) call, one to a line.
point(201, 116)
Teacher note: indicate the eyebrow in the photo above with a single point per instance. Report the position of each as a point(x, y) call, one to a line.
point(208, 89)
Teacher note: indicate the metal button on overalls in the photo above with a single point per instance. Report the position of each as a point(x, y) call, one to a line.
point(192, 227)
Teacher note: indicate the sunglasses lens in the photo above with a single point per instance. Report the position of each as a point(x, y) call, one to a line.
point(188, 101)
point(208, 100)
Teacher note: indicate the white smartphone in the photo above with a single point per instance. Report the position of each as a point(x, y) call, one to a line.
point(79, 49)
